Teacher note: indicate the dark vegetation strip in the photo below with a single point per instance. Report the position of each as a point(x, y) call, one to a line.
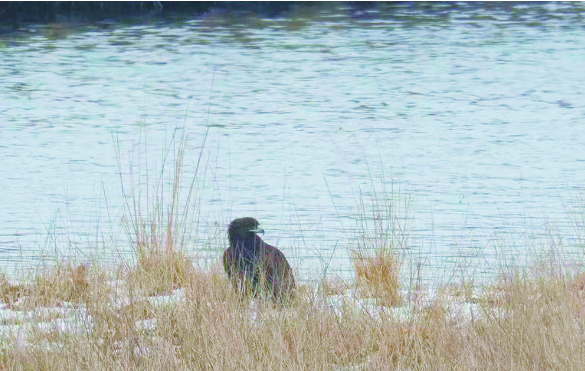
point(16, 14)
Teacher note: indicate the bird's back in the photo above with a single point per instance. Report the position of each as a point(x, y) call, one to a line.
point(278, 272)
point(257, 267)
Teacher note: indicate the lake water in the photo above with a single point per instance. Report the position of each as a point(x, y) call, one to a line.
point(468, 121)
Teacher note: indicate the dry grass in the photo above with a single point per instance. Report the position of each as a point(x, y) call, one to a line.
point(62, 283)
point(331, 286)
point(161, 271)
point(10, 292)
point(524, 324)
point(377, 276)
point(213, 329)
point(382, 230)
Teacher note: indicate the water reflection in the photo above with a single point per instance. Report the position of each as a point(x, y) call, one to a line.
point(473, 113)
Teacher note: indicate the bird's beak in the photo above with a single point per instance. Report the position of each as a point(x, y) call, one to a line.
point(259, 230)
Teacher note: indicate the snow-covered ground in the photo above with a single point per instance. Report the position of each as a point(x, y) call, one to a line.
point(18, 325)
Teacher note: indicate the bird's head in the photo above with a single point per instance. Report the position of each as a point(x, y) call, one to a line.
point(244, 228)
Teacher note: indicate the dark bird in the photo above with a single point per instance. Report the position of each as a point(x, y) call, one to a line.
point(255, 267)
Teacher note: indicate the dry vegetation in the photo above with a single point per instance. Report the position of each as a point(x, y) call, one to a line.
point(377, 276)
point(211, 328)
point(74, 318)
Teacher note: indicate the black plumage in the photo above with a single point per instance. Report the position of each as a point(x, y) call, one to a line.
point(254, 266)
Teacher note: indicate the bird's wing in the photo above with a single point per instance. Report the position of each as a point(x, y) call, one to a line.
point(275, 263)
point(228, 261)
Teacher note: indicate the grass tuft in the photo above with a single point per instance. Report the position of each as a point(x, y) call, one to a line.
point(9, 292)
point(332, 286)
point(377, 276)
point(161, 271)
point(62, 283)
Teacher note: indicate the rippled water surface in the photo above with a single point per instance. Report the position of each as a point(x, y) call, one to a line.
point(468, 121)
